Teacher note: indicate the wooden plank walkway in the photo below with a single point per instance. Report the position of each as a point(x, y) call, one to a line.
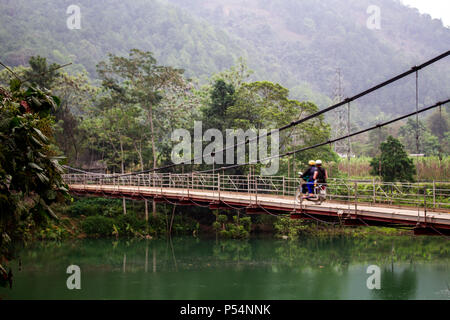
point(276, 203)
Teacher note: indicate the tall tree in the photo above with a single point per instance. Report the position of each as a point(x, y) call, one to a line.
point(139, 79)
point(393, 163)
point(77, 96)
point(222, 97)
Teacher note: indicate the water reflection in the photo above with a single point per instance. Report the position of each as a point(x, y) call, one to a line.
point(192, 268)
point(399, 284)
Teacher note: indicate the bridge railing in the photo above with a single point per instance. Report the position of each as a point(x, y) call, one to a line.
point(430, 195)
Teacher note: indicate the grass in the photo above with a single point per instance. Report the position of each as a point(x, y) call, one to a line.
point(428, 168)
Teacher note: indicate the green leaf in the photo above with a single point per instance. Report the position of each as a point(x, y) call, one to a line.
point(15, 122)
point(56, 100)
point(35, 166)
point(30, 91)
point(36, 101)
point(42, 177)
point(41, 135)
point(36, 141)
point(42, 202)
point(14, 84)
point(58, 157)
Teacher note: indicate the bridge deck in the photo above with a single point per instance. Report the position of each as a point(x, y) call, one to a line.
point(275, 203)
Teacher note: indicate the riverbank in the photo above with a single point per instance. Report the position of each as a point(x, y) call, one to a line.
point(104, 218)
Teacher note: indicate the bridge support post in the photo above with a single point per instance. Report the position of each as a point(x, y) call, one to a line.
point(218, 184)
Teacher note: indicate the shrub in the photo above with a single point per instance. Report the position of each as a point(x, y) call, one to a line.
point(96, 206)
point(246, 223)
point(99, 226)
point(129, 225)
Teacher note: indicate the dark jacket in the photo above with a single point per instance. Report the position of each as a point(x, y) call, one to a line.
point(321, 175)
point(309, 174)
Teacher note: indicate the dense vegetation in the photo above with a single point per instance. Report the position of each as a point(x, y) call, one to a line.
point(30, 172)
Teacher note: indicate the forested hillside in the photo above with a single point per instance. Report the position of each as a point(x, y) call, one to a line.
point(310, 39)
point(298, 44)
point(38, 27)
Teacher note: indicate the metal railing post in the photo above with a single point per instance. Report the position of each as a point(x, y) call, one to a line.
point(218, 184)
point(356, 197)
point(434, 194)
point(374, 192)
point(256, 189)
point(425, 203)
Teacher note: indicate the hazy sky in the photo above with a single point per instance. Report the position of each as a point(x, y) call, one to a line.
point(439, 9)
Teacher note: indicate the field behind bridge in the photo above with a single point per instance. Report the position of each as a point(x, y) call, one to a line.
point(428, 168)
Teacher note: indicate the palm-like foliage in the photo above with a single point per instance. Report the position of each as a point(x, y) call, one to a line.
point(30, 172)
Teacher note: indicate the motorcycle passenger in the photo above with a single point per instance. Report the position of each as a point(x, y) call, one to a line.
point(308, 176)
point(320, 175)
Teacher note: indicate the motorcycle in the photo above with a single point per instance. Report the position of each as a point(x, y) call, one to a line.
point(319, 194)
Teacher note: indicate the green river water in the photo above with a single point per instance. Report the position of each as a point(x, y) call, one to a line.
point(258, 268)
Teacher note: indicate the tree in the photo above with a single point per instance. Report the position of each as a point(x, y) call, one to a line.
point(139, 80)
point(439, 125)
point(376, 137)
point(222, 97)
point(266, 105)
point(117, 126)
point(393, 164)
point(41, 73)
point(77, 95)
point(428, 143)
point(438, 122)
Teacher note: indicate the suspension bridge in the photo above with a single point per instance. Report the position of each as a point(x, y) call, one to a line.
point(420, 205)
point(423, 206)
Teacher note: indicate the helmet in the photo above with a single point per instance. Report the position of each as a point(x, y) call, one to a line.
point(319, 162)
point(311, 162)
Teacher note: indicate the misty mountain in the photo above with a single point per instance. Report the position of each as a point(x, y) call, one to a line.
point(298, 43)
